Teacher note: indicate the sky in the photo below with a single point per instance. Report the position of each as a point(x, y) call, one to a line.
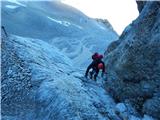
point(119, 13)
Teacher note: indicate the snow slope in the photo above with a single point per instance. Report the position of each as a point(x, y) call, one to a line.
point(40, 83)
point(60, 25)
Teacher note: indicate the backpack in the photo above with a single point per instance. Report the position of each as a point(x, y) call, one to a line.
point(100, 66)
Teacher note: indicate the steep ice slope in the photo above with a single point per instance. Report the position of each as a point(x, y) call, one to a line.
point(40, 83)
point(62, 26)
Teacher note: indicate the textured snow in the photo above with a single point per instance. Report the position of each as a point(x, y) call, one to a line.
point(121, 107)
point(11, 6)
point(65, 23)
point(134, 118)
point(146, 117)
point(16, 2)
point(60, 91)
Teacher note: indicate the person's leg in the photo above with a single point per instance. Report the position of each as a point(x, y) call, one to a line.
point(91, 73)
point(96, 74)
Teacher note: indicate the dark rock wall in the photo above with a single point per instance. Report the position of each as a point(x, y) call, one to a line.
point(141, 5)
point(133, 62)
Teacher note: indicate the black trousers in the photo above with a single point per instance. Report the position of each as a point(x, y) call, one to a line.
point(94, 73)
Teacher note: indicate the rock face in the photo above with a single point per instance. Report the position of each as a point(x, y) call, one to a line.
point(105, 22)
point(141, 5)
point(133, 62)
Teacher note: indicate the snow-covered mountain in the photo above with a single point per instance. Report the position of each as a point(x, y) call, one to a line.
point(63, 26)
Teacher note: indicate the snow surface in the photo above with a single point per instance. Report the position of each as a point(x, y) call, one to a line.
point(16, 2)
point(62, 92)
point(59, 90)
point(65, 23)
point(11, 6)
point(121, 107)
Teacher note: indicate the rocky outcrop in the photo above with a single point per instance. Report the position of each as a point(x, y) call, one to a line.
point(141, 5)
point(133, 62)
point(106, 23)
point(16, 80)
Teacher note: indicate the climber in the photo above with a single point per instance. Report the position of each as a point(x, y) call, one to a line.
point(96, 65)
point(95, 56)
